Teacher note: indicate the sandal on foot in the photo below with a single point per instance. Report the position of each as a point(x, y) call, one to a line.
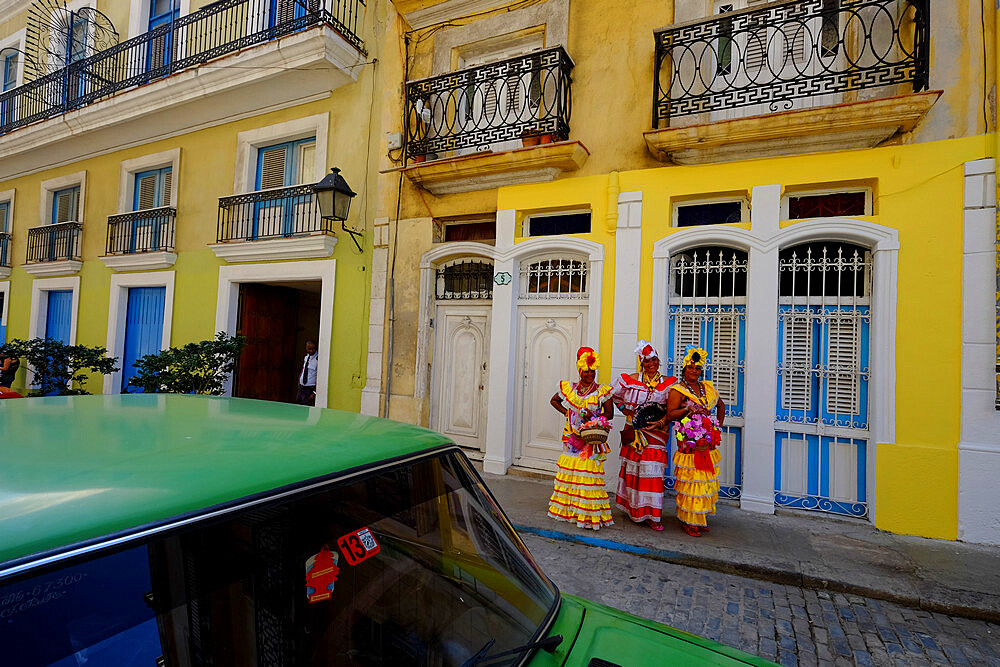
point(692, 530)
point(656, 526)
point(704, 529)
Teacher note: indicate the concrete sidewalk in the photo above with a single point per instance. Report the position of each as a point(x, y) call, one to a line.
point(811, 551)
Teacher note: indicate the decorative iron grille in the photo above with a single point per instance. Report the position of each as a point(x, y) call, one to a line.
point(821, 416)
point(271, 214)
point(475, 108)
point(554, 278)
point(466, 279)
point(53, 243)
point(707, 309)
point(5, 249)
point(789, 50)
point(141, 231)
point(223, 27)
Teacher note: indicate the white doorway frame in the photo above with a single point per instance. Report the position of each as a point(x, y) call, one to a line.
point(324, 271)
point(118, 312)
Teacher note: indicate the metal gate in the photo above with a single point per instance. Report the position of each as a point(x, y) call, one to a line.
point(707, 308)
point(821, 411)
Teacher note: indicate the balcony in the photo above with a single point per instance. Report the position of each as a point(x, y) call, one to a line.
point(256, 62)
point(4, 254)
point(497, 124)
point(141, 240)
point(790, 77)
point(54, 250)
point(282, 223)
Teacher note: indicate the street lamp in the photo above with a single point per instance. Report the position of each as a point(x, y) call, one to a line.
point(334, 196)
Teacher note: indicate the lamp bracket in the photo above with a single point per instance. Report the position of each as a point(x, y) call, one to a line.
point(355, 235)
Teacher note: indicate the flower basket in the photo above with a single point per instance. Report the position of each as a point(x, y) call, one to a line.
point(595, 431)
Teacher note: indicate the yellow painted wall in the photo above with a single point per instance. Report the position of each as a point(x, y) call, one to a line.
point(919, 192)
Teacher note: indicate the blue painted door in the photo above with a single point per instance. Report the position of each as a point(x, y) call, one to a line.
point(152, 190)
point(279, 166)
point(3, 325)
point(160, 50)
point(143, 328)
point(59, 315)
point(8, 79)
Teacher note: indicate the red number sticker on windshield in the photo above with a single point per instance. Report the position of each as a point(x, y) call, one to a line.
point(358, 546)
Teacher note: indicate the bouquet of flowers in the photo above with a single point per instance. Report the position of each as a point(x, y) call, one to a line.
point(699, 433)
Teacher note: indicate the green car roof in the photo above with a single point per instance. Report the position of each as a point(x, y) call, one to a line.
point(76, 468)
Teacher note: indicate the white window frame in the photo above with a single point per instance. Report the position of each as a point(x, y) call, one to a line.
point(138, 16)
point(743, 200)
point(250, 141)
point(526, 222)
point(7, 196)
point(324, 271)
point(53, 185)
point(129, 168)
point(785, 196)
point(118, 312)
point(16, 41)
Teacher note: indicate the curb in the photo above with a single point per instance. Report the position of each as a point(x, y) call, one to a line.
point(765, 573)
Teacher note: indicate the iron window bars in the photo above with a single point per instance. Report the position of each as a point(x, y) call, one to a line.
point(789, 50)
point(223, 27)
point(150, 230)
point(467, 279)
point(554, 278)
point(476, 108)
point(271, 214)
point(5, 249)
point(54, 243)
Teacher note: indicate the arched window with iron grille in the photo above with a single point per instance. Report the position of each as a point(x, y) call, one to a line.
point(464, 279)
point(554, 278)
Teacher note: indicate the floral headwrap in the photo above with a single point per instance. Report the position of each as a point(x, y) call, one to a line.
point(694, 356)
point(645, 350)
point(587, 359)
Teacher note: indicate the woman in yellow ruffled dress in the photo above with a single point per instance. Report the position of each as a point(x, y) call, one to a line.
point(696, 461)
point(580, 495)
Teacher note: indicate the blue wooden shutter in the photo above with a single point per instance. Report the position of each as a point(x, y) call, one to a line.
point(143, 327)
point(59, 315)
point(65, 205)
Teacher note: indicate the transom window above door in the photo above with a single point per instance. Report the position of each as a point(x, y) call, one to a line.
point(285, 164)
point(554, 278)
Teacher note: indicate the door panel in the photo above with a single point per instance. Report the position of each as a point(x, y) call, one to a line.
point(59, 314)
point(143, 328)
point(269, 364)
point(460, 366)
point(548, 338)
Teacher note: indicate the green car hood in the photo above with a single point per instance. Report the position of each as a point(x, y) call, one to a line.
point(592, 630)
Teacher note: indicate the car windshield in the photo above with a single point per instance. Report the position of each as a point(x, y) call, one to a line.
point(412, 564)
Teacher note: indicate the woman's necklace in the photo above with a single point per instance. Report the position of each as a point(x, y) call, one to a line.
point(581, 392)
point(698, 395)
point(651, 381)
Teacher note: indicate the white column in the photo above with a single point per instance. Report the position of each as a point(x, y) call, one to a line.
point(761, 355)
point(501, 407)
point(979, 446)
point(628, 263)
point(371, 394)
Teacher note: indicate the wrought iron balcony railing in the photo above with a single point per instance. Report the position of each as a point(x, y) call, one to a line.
point(5, 249)
point(54, 243)
point(485, 107)
point(151, 230)
point(786, 51)
point(271, 214)
point(220, 28)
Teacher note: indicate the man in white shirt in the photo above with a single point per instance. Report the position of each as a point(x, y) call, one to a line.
point(307, 376)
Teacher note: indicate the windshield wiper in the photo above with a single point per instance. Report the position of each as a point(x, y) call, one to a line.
point(549, 644)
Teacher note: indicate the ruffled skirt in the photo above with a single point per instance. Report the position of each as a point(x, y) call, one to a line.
point(697, 490)
point(579, 495)
point(640, 482)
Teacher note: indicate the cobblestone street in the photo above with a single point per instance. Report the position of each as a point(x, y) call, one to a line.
point(790, 625)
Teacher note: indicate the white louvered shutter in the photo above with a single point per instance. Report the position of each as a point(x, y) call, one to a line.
point(724, 358)
point(307, 158)
point(168, 184)
point(797, 363)
point(147, 193)
point(842, 354)
point(687, 331)
point(272, 171)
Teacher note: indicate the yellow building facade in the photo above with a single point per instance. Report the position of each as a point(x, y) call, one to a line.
point(810, 200)
point(156, 162)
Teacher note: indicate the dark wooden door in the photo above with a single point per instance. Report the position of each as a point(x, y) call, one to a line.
point(269, 364)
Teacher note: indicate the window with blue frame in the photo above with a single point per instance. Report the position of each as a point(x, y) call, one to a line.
point(66, 205)
point(281, 166)
point(4, 216)
point(162, 14)
point(151, 191)
point(8, 79)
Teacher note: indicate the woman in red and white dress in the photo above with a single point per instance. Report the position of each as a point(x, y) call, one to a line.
point(644, 451)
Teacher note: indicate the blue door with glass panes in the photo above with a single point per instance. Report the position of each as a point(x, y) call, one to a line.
point(143, 328)
point(278, 166)
point(152, 190)
point(8, 79)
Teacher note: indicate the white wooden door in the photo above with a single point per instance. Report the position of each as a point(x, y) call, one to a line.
point(548, 338)
point(461, 356)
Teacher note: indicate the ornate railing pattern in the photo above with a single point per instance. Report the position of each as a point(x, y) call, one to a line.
point(150, 230)
point(220, 28)
point(54, 243)
point(476, 108)
point(271, 214)
point(5, 249)
point(789, 50)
